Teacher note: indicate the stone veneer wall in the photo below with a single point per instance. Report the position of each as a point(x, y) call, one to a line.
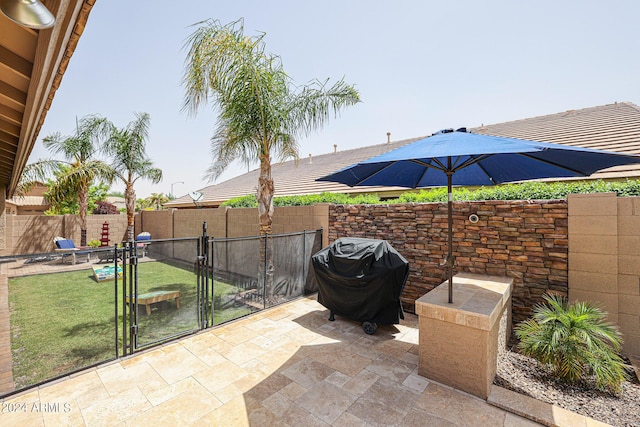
point(524, 240)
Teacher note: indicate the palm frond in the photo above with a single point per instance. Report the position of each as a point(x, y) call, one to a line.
point(575, 340)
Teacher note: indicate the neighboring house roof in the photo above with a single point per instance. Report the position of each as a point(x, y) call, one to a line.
point(32, 201)
point(118, 202)
point(614, 127)
point(32, 63)
point(28, 201)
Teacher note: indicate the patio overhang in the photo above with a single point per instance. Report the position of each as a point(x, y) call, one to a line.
point(32, 63)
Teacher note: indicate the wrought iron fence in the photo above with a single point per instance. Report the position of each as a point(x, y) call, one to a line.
point(66, 311)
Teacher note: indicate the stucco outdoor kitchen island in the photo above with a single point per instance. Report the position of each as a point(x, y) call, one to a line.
point(459, 342)
point(154, 297)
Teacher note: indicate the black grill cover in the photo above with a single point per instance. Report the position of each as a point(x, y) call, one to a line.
point(361, 279)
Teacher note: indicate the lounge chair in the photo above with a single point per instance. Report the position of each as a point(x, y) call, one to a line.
point(142, 242)
point(69, 250)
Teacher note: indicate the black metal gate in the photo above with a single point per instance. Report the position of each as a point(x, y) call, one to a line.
point(171, 288)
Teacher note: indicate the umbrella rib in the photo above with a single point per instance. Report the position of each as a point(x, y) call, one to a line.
point(367, 177)
point(554, 164)
point(440, 166)
point(471, 160)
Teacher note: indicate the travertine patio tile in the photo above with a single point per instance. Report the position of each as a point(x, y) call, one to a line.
point(181, 409)
point(74, 388)
point(392, 348)
point(411, 357)
point(220, 376)
point(308, 372)
point(209, 356)
point(228, 393)
point(267, 387)
point(338, 379)
point(177, 363)
point(244, 352)
point(270, 342)
point(250, 380)
point(326, 401)
point(117, 379)
point(512, 420)
point(341, 360)
point(115, 409)
point(350, 420)
point(311, 421)
point(277, 403)
point(386, 402)
point(397, 370)
point(294, 415)
point(361, 382)
point(159, 391)
point(302, 335)
point(232, 413)
point(287, 366)
point(19, 411)
point(238, 335)
point(417, 418)
point(293, 391)
point(459, 408)
point(61, 412)
point(416, 382)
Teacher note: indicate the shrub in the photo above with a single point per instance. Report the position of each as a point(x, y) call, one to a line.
point(105, 208)
point(94, 243)
point(575, 341)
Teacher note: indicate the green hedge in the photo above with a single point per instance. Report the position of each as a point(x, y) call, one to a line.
point(250, 201)
point(524, 191)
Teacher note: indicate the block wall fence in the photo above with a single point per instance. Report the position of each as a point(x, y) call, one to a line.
point(28, 234)
point(587, 247)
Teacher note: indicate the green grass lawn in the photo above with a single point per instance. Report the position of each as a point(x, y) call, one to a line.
point(64, 321)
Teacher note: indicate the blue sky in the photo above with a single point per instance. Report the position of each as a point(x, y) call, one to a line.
point(420, 66)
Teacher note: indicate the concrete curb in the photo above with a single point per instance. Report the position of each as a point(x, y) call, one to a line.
point(538, 411)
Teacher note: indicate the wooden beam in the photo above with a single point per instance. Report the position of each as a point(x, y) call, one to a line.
point(15, 62)
point(13, 93)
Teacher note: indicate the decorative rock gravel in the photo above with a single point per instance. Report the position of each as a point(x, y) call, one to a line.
point(525, 375)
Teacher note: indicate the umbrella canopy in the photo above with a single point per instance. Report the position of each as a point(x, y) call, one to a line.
point(462, 158)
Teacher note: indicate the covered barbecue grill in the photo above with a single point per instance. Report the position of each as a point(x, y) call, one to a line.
point(361, 279)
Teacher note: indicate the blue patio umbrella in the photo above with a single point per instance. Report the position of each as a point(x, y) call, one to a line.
point(462, 158)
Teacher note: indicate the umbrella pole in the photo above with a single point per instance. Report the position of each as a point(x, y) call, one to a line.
point(450, 224)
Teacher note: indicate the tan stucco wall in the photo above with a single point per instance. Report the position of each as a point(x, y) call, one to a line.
point(604, 259)
point(28, 234)
point(228, 222)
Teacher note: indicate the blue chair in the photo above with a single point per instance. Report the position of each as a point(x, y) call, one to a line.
point(142, 242)
point(69, 250)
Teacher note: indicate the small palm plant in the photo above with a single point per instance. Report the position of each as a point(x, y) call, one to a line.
point(575, 340)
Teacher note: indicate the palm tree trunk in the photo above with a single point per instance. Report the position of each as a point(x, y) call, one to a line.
point(265, 195)
point(83, 202)
point(130, 201)
point(265, 216)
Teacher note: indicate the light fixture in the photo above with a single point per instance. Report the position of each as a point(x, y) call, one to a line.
point(177, 182)
point(28, 13)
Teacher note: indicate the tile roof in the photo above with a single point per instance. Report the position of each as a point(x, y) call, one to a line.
point(27, 201)
point(614, 127)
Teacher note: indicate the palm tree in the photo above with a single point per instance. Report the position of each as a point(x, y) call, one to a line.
point(79, 169)
point(262, 114)
point(127, 149)
point(575, 340)
point(157, 200)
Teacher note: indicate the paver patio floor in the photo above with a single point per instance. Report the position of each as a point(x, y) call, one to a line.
point(287, 366)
